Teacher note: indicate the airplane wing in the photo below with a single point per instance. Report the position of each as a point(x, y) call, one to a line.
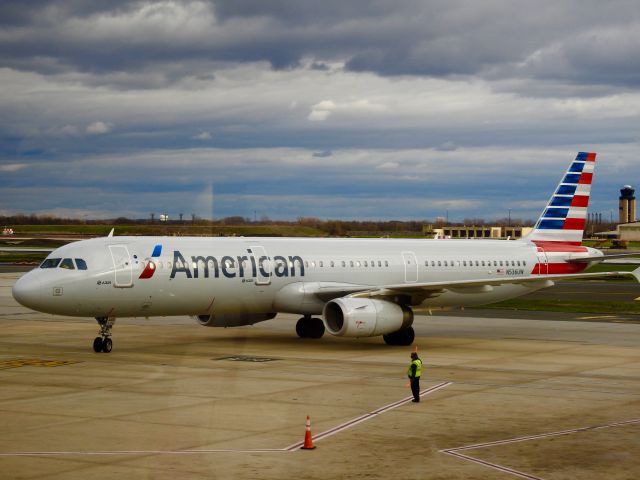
point(420, 291)
point(26, 249)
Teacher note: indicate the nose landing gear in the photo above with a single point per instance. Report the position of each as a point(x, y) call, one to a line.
point(103, 343)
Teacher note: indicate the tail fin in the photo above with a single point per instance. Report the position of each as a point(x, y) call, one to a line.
point(564, 218)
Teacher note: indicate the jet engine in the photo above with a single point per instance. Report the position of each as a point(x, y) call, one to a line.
point(364, 317)
point(233, 319)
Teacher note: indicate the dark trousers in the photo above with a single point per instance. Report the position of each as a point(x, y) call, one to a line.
point(415, 388)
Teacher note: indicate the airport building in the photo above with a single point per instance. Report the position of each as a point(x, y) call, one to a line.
point(628, 228)
point(627, 204)
point(485, 231)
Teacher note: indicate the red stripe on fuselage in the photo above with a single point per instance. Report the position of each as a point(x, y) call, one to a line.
point(557, 268)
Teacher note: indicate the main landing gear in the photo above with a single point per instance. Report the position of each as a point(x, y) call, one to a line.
point(308, 327)
point(401, 337)
point(103, 343)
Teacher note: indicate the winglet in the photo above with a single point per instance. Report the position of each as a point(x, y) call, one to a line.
point(111, 233)
point(636, 274)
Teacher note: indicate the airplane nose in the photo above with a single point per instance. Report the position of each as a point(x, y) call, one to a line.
point(27, 291)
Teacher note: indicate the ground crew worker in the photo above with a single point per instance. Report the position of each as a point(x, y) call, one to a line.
point(414, 372)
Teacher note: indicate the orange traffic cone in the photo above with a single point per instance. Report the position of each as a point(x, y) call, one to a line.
point(308, 442)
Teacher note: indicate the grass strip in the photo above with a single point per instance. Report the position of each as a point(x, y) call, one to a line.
point(560, 305)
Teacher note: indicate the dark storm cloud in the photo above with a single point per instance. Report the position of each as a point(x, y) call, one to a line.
point(577, 41)
point(357, 109)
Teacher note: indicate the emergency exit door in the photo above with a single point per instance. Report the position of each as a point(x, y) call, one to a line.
point(410, 267)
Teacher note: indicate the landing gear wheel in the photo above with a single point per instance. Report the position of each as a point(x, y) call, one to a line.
point(317, 328)
point(401, 337)
point(103, 343)
point(107, 345)
point(301, 328)
point(308, 327)
point(97, 344)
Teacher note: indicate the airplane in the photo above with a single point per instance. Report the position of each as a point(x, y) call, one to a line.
point(360, 287)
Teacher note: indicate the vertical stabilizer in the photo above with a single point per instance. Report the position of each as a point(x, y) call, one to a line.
point(564, 218)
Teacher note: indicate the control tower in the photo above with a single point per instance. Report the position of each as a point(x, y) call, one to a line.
point(627, 204)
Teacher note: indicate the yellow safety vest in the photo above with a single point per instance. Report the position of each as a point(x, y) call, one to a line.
point(418, 363)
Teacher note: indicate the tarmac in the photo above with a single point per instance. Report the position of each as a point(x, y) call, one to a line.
point(502, 398)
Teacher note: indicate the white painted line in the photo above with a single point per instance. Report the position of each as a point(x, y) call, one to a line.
point(367, 416)
point(494, 466)
point(290, 448)
point(541, 435)
point(135, 452)
point(456, 451)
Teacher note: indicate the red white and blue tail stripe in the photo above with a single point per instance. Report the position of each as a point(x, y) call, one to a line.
point(564, 218)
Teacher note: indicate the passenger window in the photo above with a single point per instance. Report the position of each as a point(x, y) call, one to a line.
point(524, 264)
point(439, 263)
point(366, 264)
point(495, 264)
point(373, 263)
point(518, 262)
point(445, 263)
point(482, 263)
point(50, 263)
point(426, 263)
point(464, 263)
point(379, 263)
point(386, 263)
point(81, 264)
point(332, 264)
point(501, 263)
point(68, 264)
point(344, 264)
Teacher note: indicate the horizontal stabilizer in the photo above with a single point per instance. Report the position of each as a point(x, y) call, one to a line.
point(604, 258)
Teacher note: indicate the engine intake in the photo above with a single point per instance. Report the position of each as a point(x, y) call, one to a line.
point(364, 317)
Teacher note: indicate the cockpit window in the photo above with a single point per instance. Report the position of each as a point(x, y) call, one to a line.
point(50, 263)
point(81, 264)
point(68, 264)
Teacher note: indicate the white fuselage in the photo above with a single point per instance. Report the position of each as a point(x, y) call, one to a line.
point(218, 276)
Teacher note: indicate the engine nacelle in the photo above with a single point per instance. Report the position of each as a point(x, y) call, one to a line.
point(364, 317)
point(233, 319)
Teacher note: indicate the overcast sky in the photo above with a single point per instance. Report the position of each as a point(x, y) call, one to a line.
point(373, 109)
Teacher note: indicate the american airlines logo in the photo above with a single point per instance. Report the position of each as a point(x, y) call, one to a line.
point(240, 266)
point(150, 267)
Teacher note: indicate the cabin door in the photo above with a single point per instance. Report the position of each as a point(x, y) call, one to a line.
point(122, 266)
point(263, 264)
point(543, 262)
point(410, 267)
